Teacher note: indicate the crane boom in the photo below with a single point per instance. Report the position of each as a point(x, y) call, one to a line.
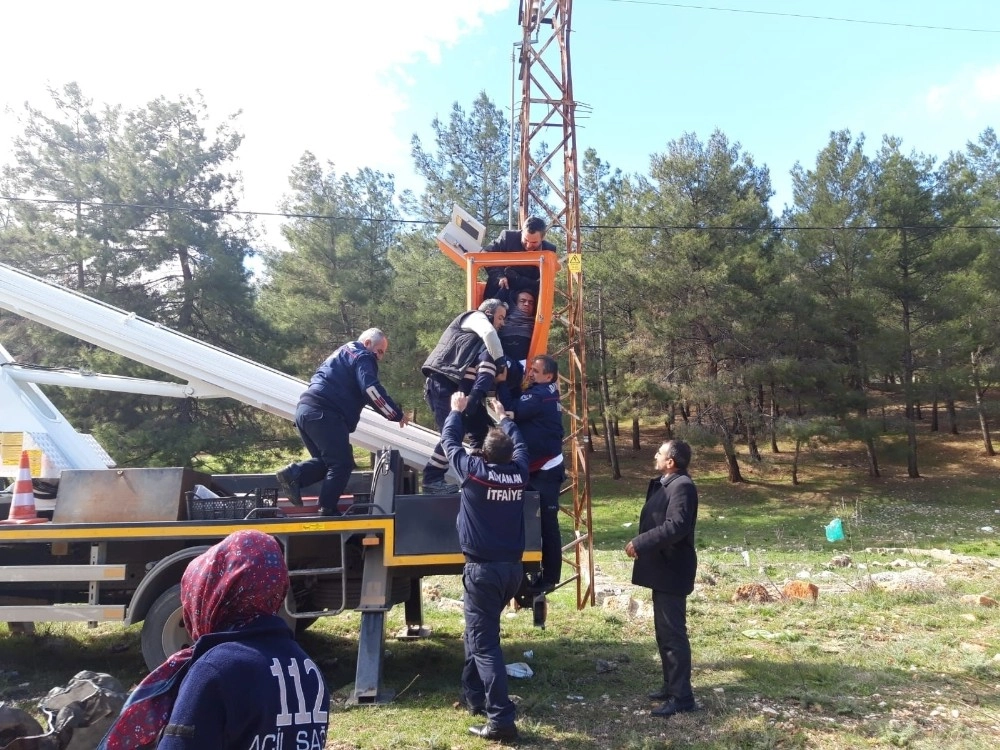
point(205, 368)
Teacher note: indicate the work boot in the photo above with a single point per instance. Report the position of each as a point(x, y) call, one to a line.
point(660, 694)
point(289, 485)
point(496, 733)
point(673, 706)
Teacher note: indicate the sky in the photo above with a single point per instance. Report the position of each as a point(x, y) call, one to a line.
point(353, 82)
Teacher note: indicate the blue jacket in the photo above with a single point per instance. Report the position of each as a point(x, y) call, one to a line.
point(491, 513)
point(253, 687)
point(538, 413)
point(346, 382)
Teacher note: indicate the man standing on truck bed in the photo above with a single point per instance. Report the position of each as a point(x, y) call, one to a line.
point(329, 411)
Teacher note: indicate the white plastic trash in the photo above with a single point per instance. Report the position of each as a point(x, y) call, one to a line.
point(203, 493)
point(519, 669)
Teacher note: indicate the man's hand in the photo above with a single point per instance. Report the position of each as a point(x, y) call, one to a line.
point(630, 551)
point(404, 421)
point(503, 283)
point(459, 401)
point(495, 409)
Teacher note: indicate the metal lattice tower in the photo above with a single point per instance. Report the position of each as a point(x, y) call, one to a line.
point(548, 114)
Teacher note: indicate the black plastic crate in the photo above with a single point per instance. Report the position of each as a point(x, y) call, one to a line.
point(257, 504)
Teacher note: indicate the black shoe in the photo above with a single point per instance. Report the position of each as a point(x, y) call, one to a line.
point(492, 732)
point(289, 485)
point(536, 585)
point(672, 706)
point(329, 512)
point(659, 695)
point(475, 710)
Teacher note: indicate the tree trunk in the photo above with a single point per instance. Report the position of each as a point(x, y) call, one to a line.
point(636, 442)
point(934, 415)
point(984, 424)
point(732, 461)
point(952, 416)
point(774, 423)
point(612, 447)
point(751, 431)
point(873, 470)
point(912, 404)
point(795, 463)
point(593, 428)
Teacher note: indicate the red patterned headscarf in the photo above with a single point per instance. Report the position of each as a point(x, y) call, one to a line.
point(227, 587)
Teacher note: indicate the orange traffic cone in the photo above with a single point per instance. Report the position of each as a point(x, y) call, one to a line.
point(22, 505)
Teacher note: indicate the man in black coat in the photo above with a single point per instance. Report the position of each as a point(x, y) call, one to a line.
point(505, 282)
point(665, 561)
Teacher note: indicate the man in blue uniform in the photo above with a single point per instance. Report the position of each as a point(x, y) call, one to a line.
point(491, 533)
point(329, 411)
point(465, 361)
point(538, 414)
point(664, 560)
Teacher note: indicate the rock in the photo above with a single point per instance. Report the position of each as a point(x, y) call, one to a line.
point(800, 590)
point(841, 561)
point(972, 648)
point(979, 600)
point(913, 579)
point(752, 592)
point(15, 723)
point(603, 666)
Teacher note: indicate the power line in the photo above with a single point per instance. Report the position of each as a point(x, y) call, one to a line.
point(217, 211)
point(807, 17)
point(428, 222)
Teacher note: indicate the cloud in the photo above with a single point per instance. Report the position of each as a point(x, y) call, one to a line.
point(973, 94)
point(325, 77)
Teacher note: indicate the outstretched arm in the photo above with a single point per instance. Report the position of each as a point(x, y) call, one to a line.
point(367, 375)
point(451, 437)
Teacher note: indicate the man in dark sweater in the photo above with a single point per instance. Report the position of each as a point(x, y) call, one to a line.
point(491, 533)
point(665, 561)
point(329, 411)
point(504, 282)
point(519, 327)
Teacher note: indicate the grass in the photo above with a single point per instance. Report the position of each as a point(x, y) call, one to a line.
point(860, 668)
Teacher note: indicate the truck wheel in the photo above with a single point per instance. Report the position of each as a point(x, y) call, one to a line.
point(163, 630)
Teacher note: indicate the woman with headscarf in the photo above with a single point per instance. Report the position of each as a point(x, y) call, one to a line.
point(245, 682)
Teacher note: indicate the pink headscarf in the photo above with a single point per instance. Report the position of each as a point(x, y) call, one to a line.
point(227, 587)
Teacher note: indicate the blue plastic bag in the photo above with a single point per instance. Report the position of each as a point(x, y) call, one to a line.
point(834, 530)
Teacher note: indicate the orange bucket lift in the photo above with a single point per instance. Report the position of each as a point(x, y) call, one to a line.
point(461, 241)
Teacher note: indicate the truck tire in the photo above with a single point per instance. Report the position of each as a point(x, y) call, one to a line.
point(163, 630)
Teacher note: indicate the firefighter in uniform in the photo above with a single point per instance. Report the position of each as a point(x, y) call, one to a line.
point(491, 533)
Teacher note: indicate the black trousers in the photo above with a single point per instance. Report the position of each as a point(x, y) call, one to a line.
point(547, 483)
point(328, 441)
point(488, 587)
point(670, 623)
